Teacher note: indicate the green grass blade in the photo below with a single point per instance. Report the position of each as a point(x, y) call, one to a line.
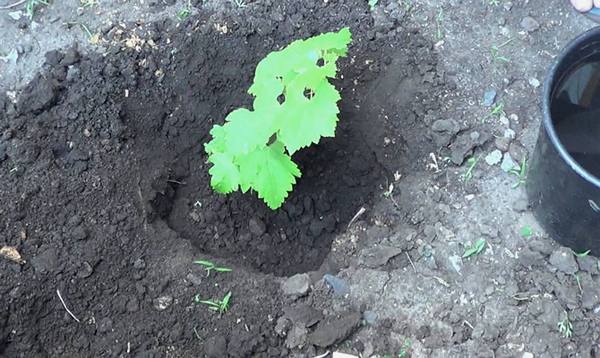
point(210, 303)
point(582, 254)
point(475, 249)
point(204, 263)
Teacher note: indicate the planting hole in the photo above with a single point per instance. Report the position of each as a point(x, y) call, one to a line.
point(339, 175)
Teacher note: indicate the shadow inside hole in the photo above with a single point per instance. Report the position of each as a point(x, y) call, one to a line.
point(339, 175)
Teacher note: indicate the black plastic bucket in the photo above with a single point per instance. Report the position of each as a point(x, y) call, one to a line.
point(563, 183)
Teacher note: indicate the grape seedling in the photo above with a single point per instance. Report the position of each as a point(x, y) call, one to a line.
point(294, 106)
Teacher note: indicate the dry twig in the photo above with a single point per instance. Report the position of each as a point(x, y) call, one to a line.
point(6, 7)
point(65, 306)
point(356, 216)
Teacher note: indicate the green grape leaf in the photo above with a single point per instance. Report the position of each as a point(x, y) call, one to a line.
point(294, 106)
point(302, 54)
point(312, 77)
point(275, 176)
point(217, 144)
point(250, 165)
point(314, 118)
point(334, 41)
point(266, 93)
point(225, 176)
point(246, 130)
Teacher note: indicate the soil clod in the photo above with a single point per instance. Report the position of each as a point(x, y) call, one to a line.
point(297, 285)
point(564, 261)
point(334, 329)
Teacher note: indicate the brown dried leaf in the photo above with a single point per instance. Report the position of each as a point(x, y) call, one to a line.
point(94, 39)
point(11, 254)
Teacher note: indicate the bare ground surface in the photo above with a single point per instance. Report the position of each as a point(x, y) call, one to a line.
point(401, 283)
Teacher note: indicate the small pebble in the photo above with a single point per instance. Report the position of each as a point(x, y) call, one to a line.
point(256, 226)
point(509, 133)
point(7, 134)
point(139, 264)
point(530, 24)
point(163, 302)
point(502, 143)
point(15, 15)
point(338, 285)
point(72, 74)
point(588, 263)
point(456, 263)
point(494, 157)
point(534, 82)
point(521, 205)
point(15, 292)
point(489, 97)
point(106, 28)
point(297, 285)
point(445, 125)
point(507, 163)
point(11, 57)
point(517, 152)
point(563, 260)
point(370, 317)
point(194, 279)
point(86, 270)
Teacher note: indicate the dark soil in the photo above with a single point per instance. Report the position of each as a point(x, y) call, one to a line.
point(103, 177)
